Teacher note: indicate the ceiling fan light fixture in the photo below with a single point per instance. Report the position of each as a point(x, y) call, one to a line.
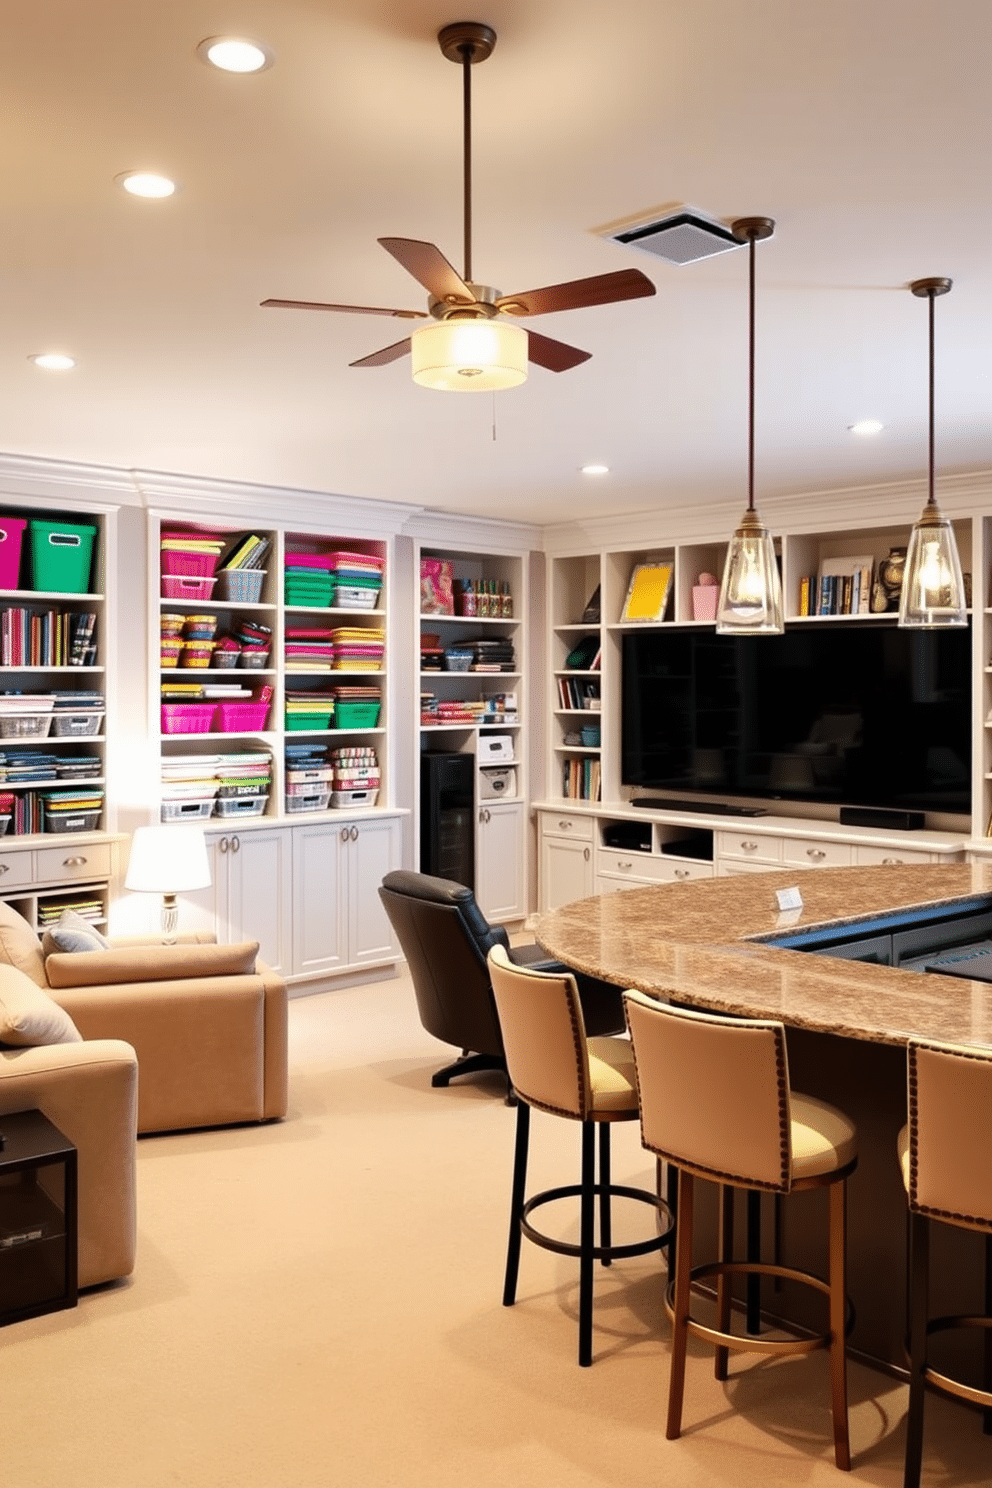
point(469, 356)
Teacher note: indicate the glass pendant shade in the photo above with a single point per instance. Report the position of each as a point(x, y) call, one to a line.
point(751, 593)
point(933, 584)
point(469, 356)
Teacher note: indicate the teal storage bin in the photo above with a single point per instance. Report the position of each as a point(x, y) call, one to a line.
point(61, 557)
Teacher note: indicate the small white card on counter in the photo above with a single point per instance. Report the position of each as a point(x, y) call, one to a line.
point(789, 898)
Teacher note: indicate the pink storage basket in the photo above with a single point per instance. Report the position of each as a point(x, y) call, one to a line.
point(192, 564)
point(237, 718)
point(187, 718)
point(310, 560)
point(178, 586)
point(11, 534)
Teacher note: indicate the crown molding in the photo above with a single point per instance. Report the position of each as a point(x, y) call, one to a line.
point(801, 511)
point(238, 500)
point(452, 530)
point(54, 482)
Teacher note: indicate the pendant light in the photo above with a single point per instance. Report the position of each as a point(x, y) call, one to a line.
point(933, 585)
point(750, 600)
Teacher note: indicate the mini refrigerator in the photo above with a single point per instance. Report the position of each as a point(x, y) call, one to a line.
point(447, 817)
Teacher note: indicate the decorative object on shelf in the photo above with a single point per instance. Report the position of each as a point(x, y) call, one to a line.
point(888, 581)
point(591, 613)
point(647, 593)
point(933, 585)
point(437, 593)
point(705, 593)
point(751, 593)
point(471, 347)
point(168, 861)
point(582, 656)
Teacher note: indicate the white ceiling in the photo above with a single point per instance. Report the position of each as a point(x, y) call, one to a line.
point(861, 126)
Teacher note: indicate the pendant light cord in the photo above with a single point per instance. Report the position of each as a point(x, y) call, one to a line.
point(931, 498)
point(750, 385)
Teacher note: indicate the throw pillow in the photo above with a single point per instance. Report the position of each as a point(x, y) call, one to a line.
point(72, 932)
point(28, 1016)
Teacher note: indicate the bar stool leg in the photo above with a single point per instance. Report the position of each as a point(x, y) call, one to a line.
point(726, 1253)
point(838, 1313)
point(605, 1221)
point(672, 1199)
point(919, 1265)
point(987, 1335)
point(587, 1241)
point(754, 1254)
point(680, 1324)
point(516, 1203)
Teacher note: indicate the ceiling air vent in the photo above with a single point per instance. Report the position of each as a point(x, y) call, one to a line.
point(681, 238)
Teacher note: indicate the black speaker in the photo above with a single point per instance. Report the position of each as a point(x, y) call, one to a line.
point(878, 816)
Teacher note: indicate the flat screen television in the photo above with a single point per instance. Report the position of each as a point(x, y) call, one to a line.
point(852, 714)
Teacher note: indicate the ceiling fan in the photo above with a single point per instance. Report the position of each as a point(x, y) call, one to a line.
point(456, 300)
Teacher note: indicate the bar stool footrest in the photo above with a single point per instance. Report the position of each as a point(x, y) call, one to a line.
point(750, 1343)
point(599, 1252)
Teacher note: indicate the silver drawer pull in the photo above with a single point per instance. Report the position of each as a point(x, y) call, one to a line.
point(749, 846)
point(4, 867)
point(892, 860)
point(586, 854)
point(77, 862)
point(815, 852)
point(682, 873)
point(566, 826)
point(625, 866)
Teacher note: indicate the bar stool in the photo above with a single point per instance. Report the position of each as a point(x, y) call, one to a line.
point(715, 1101)
point(943, 1153)
point(555, 1068)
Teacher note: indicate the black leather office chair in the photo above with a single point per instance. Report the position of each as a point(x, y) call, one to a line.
point(446, 938)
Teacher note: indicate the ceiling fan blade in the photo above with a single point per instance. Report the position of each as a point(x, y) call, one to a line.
point(430, 268)
point(601, 289)
point(387, 354)
point(556, 356)
point(347, 309)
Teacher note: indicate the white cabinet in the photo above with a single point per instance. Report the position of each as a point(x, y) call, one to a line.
point(250, 894)
point(567, 869)
point(499, 860)
point(339, 921)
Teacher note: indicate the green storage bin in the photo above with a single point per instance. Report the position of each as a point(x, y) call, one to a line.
point(61, 557)
point(297, 722)
point(356, 715)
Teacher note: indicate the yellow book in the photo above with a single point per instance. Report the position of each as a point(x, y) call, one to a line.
point(647, 592)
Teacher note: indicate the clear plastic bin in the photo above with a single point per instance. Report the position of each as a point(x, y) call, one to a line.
point(25, 725)
point(77, 725)
point(316, 801)
point(187, 810)
point(354, 797)
point(241, 805)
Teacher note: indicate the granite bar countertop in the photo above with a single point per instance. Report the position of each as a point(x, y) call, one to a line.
point(700, 942)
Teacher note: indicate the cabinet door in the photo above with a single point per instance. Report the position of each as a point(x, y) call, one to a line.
point(499, 861)
point(259, 897)
point(320, 912)
point(373, 849)
point(566, 871)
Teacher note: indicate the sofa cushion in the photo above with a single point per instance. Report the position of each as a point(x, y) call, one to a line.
point(28, 1016)
point(20, 946)
point(72, 932)
point(159, 963)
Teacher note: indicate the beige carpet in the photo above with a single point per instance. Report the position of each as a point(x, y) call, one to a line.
point(318, 1303)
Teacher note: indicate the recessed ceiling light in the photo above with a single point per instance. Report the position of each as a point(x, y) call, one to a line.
point(595, 470)
point(235, 54)
point(866, 426)
point(53, 361)
point(145, 183)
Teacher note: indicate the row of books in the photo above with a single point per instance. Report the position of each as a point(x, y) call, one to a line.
point(836, 593)
point(581, 779)
point(249, 551)
point(573, 693)
point(30, 637)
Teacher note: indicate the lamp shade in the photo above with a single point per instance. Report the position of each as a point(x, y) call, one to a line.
point(469, 356)
point(933, 585)
point(167, 860)
point(751, 593)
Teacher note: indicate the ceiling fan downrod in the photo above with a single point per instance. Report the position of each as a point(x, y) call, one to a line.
point(467, 42)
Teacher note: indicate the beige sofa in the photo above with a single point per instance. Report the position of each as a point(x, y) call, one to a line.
point(157, 1038)
point(207, 1021)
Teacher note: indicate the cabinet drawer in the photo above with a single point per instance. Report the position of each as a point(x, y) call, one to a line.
point(560, 824)
point(890, 855)
point(749, 848)
point(16, 870)
point(804, 852)
point(88, 860)
point(643, 868)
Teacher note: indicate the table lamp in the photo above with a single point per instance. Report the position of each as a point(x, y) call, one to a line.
point(168, 861)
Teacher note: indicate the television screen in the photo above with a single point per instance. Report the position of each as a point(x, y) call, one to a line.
point(853, 714)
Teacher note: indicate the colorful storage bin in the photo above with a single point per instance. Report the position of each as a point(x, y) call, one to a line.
point(61, 556)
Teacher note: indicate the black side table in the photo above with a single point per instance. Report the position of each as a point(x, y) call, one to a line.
point(38, 1195)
